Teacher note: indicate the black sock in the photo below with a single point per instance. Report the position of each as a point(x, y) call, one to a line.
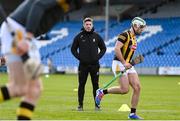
point(105, 91)
point(133, 110)
point(4, 94)
point(25, 111)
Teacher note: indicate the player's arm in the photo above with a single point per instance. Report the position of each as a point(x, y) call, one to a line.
point(122, 38)
point(118, 53)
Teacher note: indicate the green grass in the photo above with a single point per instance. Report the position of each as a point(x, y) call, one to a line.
point(160, 100)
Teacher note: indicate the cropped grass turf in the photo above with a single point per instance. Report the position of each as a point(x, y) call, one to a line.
point(160, 100)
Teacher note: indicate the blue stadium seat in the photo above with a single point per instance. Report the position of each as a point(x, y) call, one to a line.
point(161, 49)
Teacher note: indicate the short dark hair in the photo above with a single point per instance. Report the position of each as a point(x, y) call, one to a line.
point(87, 19)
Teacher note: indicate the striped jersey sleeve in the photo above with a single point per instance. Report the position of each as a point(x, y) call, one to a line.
point(122, 37)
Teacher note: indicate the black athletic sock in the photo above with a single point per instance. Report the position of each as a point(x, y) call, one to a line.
point(105, 91)
point(4, 94)
point(133, 110)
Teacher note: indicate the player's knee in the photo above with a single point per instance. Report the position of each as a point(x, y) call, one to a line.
point(37, 89)
point(137, 88)
point(20, 91)
point(124, 90)
point(17, 89)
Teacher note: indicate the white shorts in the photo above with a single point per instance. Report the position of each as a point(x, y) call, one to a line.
point(117, 66)
point(6, 37)
point(7, 40)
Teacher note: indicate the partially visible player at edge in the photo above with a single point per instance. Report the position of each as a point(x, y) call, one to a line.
point(124, 50)
point(30, 19)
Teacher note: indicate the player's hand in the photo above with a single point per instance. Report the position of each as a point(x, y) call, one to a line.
point(33, 69)
point(127, 65)
point(22, 47)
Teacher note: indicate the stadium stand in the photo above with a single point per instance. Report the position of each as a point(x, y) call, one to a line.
point(164, 10)
point(159, 44)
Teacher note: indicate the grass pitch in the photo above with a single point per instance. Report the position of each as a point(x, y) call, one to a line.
point(160, 100)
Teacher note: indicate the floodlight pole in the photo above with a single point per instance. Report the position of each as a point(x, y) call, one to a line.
point(107, 21)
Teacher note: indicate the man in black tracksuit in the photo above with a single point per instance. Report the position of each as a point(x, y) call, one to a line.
point(85, 48)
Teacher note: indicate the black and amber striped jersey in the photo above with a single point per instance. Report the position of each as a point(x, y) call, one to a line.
point(129, 47)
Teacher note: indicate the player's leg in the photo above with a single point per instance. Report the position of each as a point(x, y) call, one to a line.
point(123, 87)
point(135, 84)
point(17, 85)
point(82, 77)
point(94, 72)
point(29, 101)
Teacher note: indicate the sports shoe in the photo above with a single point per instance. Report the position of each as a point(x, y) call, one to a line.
point(99, 96)
point(133, 116)
point(80, 108)
point(97, 108)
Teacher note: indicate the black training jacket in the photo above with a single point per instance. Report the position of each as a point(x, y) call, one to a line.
point(85, 47)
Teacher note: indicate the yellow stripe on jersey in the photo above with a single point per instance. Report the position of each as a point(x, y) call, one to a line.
point(122, 37)
point(129, 56)
point(131, 52)
point(129, 45)
point(126, 45)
